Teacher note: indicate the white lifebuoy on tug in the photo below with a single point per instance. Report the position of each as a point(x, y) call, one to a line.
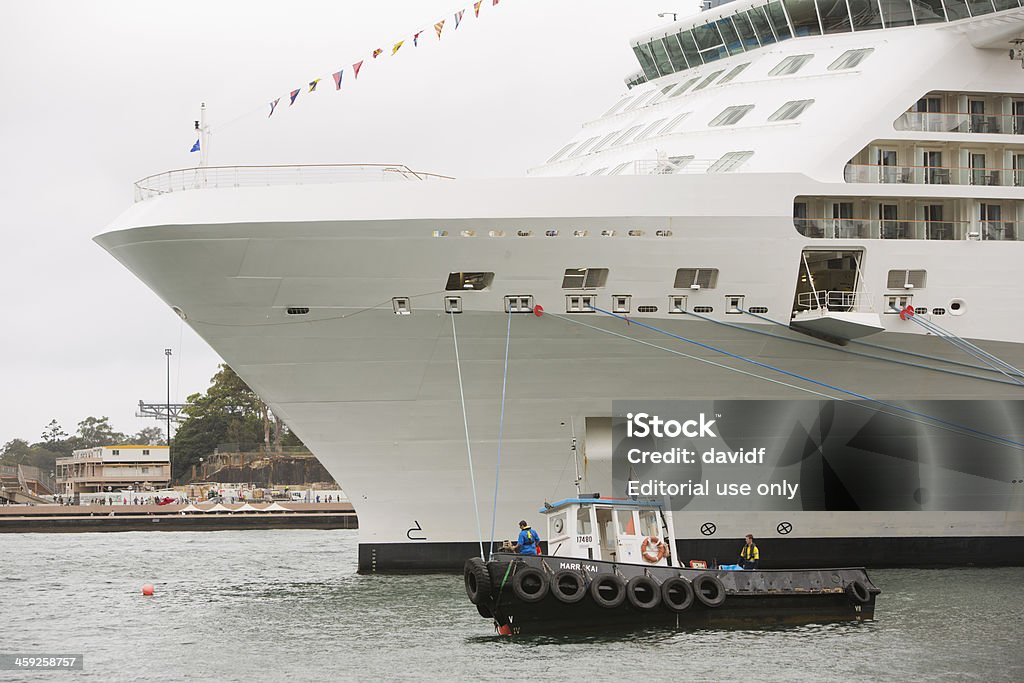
point(653, 549)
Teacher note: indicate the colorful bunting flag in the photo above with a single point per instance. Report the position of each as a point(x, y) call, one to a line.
point(397, 47)
point(313, 84)
point(294, 94)
point(458, 18)
point(195, 147)
point(416, 39)
point(356, 67)
point(377, 53)
point(337, 78)
point(476, 8)
point(273, 105)
point(439, 26)
point(494, 3)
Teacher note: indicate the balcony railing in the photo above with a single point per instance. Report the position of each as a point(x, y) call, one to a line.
point(836, 301)
point(264, 176)
point(861, 228)
point(961, 122)
point(934, 175)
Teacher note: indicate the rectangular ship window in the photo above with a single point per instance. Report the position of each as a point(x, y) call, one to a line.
point(579, 303)
point(677, 304)
point(696, 278)
point(584, 278)
point(458, 282)
point(621, 303)
point(906, 279)
point(518, 304)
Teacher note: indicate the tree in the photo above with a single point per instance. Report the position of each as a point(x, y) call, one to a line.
point(53, 433)
point(93, 431)
point(149, 436)
point(19, 452)
point(229, 412)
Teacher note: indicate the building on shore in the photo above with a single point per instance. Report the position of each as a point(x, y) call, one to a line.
point(114, 468)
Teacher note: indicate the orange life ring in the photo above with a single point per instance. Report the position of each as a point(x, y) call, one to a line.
point(655, 553)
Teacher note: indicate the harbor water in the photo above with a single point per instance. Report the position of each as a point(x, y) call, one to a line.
point(289, 605)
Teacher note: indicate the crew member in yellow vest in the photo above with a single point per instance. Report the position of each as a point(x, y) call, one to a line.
point(749, 555)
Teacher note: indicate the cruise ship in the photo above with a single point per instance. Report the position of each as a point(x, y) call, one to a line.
point(831, 188)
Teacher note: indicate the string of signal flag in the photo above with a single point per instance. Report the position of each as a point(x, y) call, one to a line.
point(339, 76)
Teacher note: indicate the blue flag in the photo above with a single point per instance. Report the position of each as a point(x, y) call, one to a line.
point(195, 147)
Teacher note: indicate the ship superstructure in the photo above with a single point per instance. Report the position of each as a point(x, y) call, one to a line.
point(780, 180)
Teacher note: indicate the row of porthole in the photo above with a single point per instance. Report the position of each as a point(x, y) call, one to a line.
point(525, 304)
point(552, 233)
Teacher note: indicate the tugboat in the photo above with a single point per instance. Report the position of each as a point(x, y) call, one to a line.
point(612, 562)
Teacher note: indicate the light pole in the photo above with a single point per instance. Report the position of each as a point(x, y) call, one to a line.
point(167, 352)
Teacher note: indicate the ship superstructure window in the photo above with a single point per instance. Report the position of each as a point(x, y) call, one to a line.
point(906, 279)
point(561, 153)
point(627, 136)
point(791, 110)
point(606, 140)
point(790, 65)
point(584, 147)
point(729, 161)
point(804, 16)
point(468, 281)
point(617, 106)
point(696, 278)
point(641, 101)
point(683, 87)
point(674, 123)
point(736, 71)
point(664, 91)
point(850, 59)
point(709, 80)
point(584, 278)
point(649, 130)
point(731, 115)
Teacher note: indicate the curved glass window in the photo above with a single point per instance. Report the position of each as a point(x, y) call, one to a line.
point(683, 87)
point(866, 15)
point(978, 7)
point(835, 18)
point(661, 57)
point(762, 27)
point(1000, 6)
point(729, 35)
point(956, 9)
point(709, 80)
point(747, 34)
point(736, 71)
point(675, 53)
point(850, 59)
point(898, 13)
point(690, 50)
point(931, 12)
point(779, 22)
point(804, 15)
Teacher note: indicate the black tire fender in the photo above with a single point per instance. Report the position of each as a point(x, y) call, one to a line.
point(529, 584)
point(568, 586)
point(477, 580)
point(677, 594)
point(858, 592)
point(608, 590)
point(709, 590)
point(643, 592)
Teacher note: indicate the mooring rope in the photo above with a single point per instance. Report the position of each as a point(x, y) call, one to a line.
point(501, 431)
point(469, 449)
point(901, 412)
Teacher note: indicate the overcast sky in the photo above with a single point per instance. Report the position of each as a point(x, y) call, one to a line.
point(100, 94)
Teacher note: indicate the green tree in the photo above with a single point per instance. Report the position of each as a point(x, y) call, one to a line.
point(96, 431)
point(149, 436)
point(20, 452)
point(53, 433)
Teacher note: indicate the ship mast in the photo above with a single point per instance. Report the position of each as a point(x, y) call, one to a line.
point(203, 131)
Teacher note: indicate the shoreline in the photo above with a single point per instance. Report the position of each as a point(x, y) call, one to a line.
point(103, 518)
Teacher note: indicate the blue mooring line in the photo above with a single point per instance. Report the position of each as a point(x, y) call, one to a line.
point(1009, 442)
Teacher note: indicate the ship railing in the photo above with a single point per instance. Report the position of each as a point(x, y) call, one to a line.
point(264, 176)
point(934, 175)
point(859, 228)
point(834, 301)
point(671, 166)
point(961, 122)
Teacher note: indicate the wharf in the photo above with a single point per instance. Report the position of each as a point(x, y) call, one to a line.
point(93, 518)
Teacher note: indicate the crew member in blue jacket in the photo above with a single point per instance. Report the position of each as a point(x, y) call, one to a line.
point(528, 540)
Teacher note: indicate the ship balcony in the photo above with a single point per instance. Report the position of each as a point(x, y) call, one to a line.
point(862, 228)
point(934, 175)
point(207, 177)
point(961, 122)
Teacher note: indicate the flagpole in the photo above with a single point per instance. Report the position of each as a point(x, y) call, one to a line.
point(204, 136)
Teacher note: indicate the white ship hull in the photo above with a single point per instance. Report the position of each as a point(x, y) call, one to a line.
point(375, 393)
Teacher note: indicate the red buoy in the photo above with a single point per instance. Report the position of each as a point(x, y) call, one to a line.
point(504, 630)
point(147, 589)
point(538, 310)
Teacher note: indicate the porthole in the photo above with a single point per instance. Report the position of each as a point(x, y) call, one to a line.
point(758, 309)
point(663, 233)
point(551, 233)
point(703, 309)
point(938, 311)
point(524, 233)
point(579, 233)
point(468, 233)
point(957, 307)
point(297, 310)
point(607, 233)
point(496, 233)
point(636, 233)
point(921, 310)
point(647, 309)
point(439, 233)
point(180, 313)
